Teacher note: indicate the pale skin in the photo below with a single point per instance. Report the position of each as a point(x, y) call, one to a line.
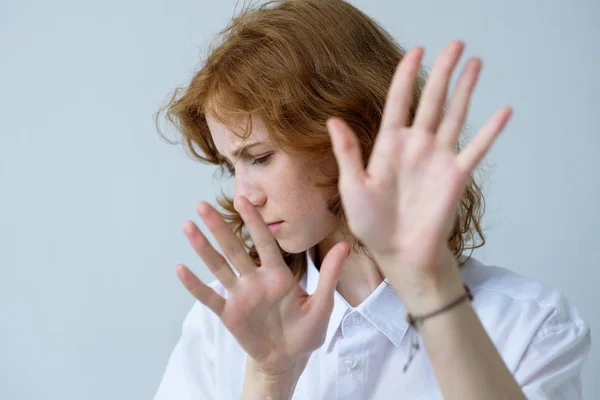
point(401, 206)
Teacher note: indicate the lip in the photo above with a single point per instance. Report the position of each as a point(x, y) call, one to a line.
point(274, 226)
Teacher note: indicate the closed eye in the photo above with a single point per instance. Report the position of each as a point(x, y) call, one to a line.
point(261, 160)
point(256, 161)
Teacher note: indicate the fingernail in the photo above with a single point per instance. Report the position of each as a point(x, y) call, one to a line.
point(188, 227)
point(330, 124)
point(202, 208)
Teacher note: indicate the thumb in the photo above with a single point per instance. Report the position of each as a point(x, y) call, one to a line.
point(331, 267)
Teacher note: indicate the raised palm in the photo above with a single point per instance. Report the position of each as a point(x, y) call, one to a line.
point(404, 203)
point(274, 320)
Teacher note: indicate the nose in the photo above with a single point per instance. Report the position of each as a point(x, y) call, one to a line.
point(244, 186)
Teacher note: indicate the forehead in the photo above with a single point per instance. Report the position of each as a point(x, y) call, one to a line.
point(227, 137)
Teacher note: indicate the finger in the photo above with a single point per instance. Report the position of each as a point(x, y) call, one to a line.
point(386, 154)
point(217, 264)
point(455, 118)
point(263, 239)
point(471, 155)
point(434, 94)
point(347, 151)
point(400, 95)
point(330, 270)
point(230, 243)
point(204, 293)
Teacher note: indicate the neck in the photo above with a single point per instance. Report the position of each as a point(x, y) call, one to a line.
point(360, 275)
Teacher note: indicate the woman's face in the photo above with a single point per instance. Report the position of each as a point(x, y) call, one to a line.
point(277, 185)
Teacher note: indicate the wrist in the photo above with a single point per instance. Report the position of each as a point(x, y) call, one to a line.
point(424, 292)
point(425, 299)
point(271, 386)
point(416, 320)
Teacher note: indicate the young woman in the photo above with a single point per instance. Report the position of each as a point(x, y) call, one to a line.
point(343, 274)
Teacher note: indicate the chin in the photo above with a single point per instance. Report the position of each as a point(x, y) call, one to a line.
point(292, 247)
point(295, 246)
point(299, 242)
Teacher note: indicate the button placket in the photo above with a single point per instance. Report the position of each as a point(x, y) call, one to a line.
point(351, 363)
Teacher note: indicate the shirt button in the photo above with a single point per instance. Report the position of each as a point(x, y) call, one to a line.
point(351, 362)
point(358, 319)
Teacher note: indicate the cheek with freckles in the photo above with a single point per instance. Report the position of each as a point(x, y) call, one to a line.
point(302, 205)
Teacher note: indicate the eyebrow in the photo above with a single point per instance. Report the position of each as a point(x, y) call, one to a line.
point(242, 150)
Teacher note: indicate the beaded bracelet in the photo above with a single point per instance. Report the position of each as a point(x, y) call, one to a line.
point(413, 320)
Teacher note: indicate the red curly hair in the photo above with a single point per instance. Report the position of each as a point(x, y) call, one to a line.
point(296, 63)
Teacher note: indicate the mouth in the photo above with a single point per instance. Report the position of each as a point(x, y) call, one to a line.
point(274, 226)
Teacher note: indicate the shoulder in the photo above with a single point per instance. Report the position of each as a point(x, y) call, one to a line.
point(191, 370)
point(519, 312)
point(201, 320)
point(206, 337)
point(505, 290)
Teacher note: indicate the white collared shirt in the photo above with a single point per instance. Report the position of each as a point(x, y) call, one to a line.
point(539, 334)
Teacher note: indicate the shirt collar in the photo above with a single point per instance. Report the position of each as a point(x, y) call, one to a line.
point(383, 308)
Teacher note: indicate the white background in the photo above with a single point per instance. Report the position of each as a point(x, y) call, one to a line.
point(92, 201)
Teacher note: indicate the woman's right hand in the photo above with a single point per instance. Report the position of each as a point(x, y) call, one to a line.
point(274, 320)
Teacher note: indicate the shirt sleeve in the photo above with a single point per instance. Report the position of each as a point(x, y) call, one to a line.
point(190, 371)
point(550, 368)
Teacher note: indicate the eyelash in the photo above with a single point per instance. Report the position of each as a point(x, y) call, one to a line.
point(261, 160)
point(256, 161)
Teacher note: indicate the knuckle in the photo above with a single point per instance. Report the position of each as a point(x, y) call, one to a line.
point(202, 244)
point(235, 251)
point(221, 265)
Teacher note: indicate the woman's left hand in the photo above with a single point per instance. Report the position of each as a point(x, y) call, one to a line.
point(404, 204)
